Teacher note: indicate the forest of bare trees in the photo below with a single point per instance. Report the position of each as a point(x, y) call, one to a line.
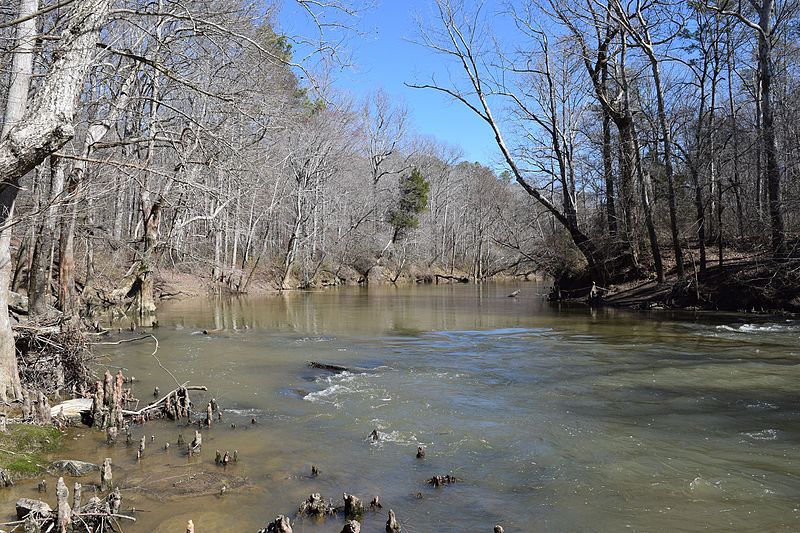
point(636, 139)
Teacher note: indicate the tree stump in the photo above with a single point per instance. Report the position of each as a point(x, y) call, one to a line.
point(76, 496)
point(111, 435)
point(189, 527)
point(114, 501)
point(42, 409)
point(315, 506)
point(106, 476)
point(26, 405)
point(97, 404)
point(353, 507)
point(498, 529)
point(420, 452)
point(64, 517)
point(281, 524)
point(352, 526)
point(392, 526)
point(197, 443)
point(5, 478)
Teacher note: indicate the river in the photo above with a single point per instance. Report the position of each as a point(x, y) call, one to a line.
point(553, 418)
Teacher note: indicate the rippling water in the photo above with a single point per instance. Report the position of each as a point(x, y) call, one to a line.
point(555, 419)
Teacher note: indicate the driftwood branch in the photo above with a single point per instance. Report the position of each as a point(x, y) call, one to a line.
point(162, 400)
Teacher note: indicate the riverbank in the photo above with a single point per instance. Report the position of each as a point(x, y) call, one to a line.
point(750, 285)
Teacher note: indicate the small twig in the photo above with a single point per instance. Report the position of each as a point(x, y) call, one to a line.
point(162, 366)
point(123, 341)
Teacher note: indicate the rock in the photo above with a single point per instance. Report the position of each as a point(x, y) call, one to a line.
point(26, 506)
point(498, 529)
point(351, 526)
point(73, 410)
point(73, 468)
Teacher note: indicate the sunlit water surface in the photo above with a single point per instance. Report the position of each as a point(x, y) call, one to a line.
point(555, 419)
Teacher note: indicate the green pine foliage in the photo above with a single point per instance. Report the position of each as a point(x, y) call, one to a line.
point(413, 200)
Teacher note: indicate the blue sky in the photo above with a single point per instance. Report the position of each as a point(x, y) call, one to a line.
point(384, 57)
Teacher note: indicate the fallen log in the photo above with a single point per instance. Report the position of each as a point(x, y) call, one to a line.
point(328, 366)
point(457, 279)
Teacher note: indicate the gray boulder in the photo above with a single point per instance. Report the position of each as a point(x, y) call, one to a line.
point(26, 506)
point(73, 468)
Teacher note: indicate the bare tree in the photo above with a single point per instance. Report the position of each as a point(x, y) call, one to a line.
point(43, 129)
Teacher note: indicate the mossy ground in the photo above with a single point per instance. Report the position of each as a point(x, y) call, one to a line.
point(24, 447)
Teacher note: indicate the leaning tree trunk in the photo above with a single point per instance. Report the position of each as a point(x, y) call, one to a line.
point(21, 73)
point(45, 127)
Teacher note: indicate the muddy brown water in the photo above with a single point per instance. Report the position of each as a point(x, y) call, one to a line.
point(555, 418)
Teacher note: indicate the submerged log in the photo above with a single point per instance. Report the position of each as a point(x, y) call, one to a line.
point(328, 366)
